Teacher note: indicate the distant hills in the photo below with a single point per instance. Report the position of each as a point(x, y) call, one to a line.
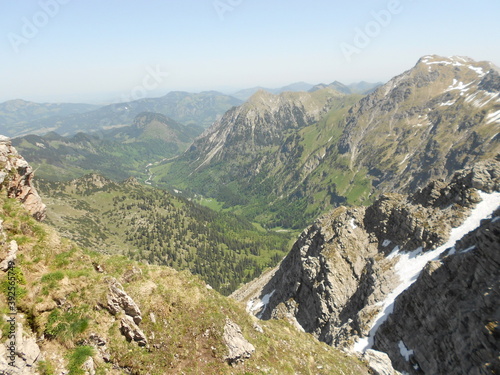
point(354, 88)
point(15, 115)
point(118, 153)
point(200, 109)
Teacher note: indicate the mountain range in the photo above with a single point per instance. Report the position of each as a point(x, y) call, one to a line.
point(295, 155)
point(117, 153)
point(200, 109)
point(354, 88)
point(396, 271)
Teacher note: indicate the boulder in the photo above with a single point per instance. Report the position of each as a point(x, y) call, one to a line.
point(238, 347)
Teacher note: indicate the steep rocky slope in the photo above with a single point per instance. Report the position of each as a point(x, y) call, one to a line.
point(440, 116)
point(16, 177)
point(345, 275)
point(65, 310)
point(448, 321)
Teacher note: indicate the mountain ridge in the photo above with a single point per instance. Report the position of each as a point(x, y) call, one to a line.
point(339, 277)
point(439, 116)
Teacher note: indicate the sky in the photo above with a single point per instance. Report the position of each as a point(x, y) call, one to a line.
point(101, 51)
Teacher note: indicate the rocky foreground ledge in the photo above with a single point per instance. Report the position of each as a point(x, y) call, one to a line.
point(339, 275)
point(16, 177)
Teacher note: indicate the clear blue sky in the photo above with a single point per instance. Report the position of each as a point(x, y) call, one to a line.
point(104, 50)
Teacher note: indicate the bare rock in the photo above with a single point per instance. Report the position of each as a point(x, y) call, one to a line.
point(88, 366)
point(26, 354)
point(120, 301)
point(379, 363)
point(131, 331)
point(11, 256)
point(239, 348)
point(17, 177)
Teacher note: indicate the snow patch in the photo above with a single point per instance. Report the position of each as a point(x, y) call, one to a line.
point(353, 225)
point(406, 158)
point(256, 304)
point(493, 117)
point(410, 264)
point(478, 70)
point(480, 98)
point(386, 243)
point(404, 351)
point(468, 249)
point(458, 86)
point(451, 102)
point(41, 145)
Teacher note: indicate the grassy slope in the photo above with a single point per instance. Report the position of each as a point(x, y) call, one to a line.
point(288, 191)
point(60, 295)
point(152, 225)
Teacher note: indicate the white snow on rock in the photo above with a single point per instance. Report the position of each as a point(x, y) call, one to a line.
point(411, 263)
point(386, 243)
point(450, 102)
point(478, 70)
point(493, 117)
point(459, 86)
point(404, 351)
point(256, 304)
point(353, 225)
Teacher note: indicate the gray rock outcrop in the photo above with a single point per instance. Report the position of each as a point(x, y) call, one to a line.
point(120, 301)
point(339, 272)
point(26, 354)
point(238, 347)
point(448, 320)
point(121, 304)
point(16, 176)
point(131, 331)
point(379, 363)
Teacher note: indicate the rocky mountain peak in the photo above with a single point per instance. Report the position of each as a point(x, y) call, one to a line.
point(16, 177)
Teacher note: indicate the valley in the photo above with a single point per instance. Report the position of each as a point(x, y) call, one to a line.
point(301, 231)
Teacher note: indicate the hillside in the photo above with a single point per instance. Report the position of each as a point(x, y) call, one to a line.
point(157, 227)
point(16, 114)
point(253, 151)
point(439, 116)
point(117, 153)
point(198, 109)
point(71, 311)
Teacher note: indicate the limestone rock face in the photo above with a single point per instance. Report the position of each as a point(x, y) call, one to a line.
point(26, 355)
point(16, 176)
point(379, 363)
point(449, 318)
point(131, 331)
point(339, 271)
point(239, 348)
point(120, 301)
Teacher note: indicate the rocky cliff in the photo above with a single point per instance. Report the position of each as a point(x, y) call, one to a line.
point(448, 321)
point(16, 176)
point(344, 274)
